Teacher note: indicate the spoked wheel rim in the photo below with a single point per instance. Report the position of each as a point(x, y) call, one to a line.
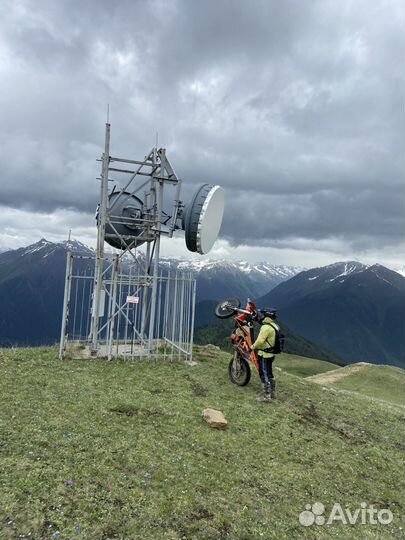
point(227, 308)
point(239, 371)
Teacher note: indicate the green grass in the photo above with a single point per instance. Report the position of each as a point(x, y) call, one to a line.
point(96, 450)
point(303, 366)
point(381, 382)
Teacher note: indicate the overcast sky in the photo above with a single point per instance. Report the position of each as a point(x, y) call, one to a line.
point(295, 107)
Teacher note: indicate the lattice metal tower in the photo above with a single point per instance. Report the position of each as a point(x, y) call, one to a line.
point(128, 217)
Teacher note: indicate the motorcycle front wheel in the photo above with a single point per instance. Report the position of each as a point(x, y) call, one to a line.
point(239, 370)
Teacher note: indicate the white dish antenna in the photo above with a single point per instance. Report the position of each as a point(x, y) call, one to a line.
point(202, 218)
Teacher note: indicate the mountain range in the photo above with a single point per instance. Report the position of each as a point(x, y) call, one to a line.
point(31, 291)
point(32, 282)
point(217, 279)
point(351, 310)
point(355, 310)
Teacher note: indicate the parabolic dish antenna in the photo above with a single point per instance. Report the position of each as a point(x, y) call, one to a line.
point(125, 213)
point(202, 218)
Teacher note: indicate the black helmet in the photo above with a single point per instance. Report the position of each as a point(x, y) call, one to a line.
point(267, 312)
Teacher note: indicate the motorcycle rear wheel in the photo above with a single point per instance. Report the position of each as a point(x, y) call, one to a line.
point(239, 370)
point(226, 308)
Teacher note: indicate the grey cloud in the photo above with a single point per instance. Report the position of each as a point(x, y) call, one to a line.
point(294, 107)
point(327, 214)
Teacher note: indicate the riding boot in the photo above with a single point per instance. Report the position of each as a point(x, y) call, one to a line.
point(266, 393)
point(273, 388)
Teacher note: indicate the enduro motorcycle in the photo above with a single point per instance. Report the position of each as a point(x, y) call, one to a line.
point(242, 338)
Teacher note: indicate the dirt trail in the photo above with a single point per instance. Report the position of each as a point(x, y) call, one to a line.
point(335, 375)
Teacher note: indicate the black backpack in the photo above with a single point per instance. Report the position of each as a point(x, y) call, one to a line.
point(278, 343)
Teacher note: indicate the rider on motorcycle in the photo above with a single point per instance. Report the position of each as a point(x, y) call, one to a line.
point(264, 343)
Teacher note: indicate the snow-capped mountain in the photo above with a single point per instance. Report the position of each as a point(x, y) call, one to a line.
point(335, 271)
point(217, 279)
point(31, 291)
point(32, 282)
point(400, 270)
point(341, 271)
point(44, 248)
point(353, 309)
point(266, 269)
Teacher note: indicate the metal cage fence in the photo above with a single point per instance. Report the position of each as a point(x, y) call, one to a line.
point(127, 325)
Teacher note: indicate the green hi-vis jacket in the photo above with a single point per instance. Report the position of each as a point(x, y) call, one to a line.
point(266, 338)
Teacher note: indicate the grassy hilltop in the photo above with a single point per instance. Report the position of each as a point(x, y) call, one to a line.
point(95, 450)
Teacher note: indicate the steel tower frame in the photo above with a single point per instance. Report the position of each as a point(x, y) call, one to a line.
point(150, 177)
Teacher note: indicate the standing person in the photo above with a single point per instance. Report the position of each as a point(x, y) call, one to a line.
point(264, 344)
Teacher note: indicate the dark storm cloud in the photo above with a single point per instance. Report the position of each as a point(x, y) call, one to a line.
point(294, 107)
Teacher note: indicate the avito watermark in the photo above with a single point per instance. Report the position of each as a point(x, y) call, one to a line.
point(365, 514)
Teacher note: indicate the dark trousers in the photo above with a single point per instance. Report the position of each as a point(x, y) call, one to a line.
point(265, 368)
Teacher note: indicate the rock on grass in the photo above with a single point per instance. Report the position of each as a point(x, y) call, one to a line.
point(215, 418)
